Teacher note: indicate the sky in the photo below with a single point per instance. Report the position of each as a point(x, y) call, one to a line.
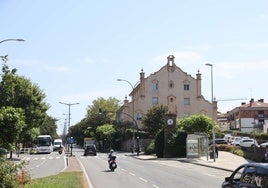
point(76, 50)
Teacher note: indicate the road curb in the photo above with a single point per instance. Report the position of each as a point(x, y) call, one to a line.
point(205, 165)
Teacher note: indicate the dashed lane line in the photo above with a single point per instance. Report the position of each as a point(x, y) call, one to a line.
point(142, 179)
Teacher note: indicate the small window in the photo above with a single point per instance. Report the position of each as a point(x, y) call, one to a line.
point(155, 100)
point(171, 84)
point(186, 101)
point(155, 86)
point(139, 116)
point(186, 87)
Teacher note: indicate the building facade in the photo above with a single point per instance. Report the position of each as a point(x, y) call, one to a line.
point(169, 86)
point(249, 117)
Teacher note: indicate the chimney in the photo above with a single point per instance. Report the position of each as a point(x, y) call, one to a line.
point(250, 102)
point(261, 100)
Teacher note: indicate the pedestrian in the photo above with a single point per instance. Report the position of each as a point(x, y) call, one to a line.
point(266, 155)
point(217, 151)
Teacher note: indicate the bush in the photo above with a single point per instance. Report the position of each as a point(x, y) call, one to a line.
point(180, 144)
point(150, 149)
point(159, 144)
point(12, 175)
point(225, 147)
point(3, 152)
point(238, 151)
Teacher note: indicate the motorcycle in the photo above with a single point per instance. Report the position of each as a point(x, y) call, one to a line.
point(60, 150)
point(112, 163)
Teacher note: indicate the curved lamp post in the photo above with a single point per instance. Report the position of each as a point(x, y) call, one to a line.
point(20, 40)
point(133, 114)
point(212, 116)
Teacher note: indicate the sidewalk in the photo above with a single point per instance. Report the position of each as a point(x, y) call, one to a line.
point(226, 161)
point(72, 164)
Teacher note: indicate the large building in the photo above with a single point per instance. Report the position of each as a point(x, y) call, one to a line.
point(170, 86)
point(249, 117)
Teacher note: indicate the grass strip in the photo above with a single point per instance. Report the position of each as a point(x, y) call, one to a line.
point(61, 180)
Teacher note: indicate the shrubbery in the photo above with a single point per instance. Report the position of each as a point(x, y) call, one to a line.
point(13, 175)
point(159, 144)
point(150, 149)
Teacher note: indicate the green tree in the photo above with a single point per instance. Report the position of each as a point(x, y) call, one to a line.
point(108, 109)
point(11, 125)
point(154, 120)
point(49, 127)
point(79, 131)
point(87, 126)
point(19, 92)
point(105, 132)
point(196, 123)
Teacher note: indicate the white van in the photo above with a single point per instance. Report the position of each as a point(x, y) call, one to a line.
point(57, 144)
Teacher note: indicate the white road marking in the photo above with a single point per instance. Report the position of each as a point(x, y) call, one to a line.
point(132, 174)
point(209, 174)
point(85, 173)
point(123, 169)
point(142, 179)
point(155, 186)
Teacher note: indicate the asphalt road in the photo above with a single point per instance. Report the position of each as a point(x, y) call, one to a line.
point(42, 165)
point(132, 173)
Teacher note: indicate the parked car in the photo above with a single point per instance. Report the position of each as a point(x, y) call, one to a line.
point(253, 175)
point(90, 150)
point(227, 136)
point(265, 144)
point(247, 143)
point(237, 140)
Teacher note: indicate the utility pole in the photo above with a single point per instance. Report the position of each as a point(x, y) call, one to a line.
point(69, 117)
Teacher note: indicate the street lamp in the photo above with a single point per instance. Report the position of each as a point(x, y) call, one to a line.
point(212, 110)
point(20, 40)
point(133, 114)
point(69, 114)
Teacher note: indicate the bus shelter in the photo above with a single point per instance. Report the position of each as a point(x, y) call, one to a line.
point(197, 145)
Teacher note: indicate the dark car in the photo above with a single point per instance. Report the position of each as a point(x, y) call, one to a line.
point(90, 150)
point(252, 175)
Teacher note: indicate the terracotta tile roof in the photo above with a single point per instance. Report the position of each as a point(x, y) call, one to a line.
point(255, 104)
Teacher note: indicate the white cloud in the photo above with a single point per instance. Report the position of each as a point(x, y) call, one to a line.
point(263, 17)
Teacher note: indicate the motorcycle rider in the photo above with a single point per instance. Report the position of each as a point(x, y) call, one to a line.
point(110, 155)
point(111, 161)
point(60, 150)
